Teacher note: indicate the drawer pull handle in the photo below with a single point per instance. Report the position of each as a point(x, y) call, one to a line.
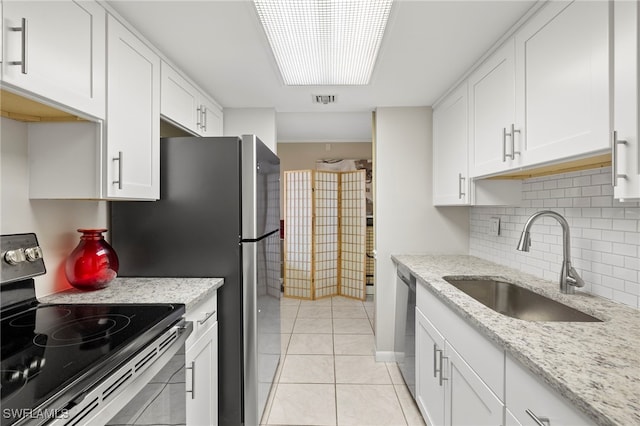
point(193, 379)
point(435, 360)
point(442, 358)
point(540, 421)
point(206, 317)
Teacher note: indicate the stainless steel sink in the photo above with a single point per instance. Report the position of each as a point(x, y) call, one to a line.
point(517, 302)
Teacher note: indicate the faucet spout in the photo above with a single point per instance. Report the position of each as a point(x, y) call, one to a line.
point(569, 277)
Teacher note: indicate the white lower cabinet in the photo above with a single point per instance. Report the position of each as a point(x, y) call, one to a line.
point(201, 359)
point(468, 400)
point(531, 402)
point(448, 390)
point(202, 383)
point(429, 391)
point(462, 378)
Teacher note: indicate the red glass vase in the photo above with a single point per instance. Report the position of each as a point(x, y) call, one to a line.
point(93, 264)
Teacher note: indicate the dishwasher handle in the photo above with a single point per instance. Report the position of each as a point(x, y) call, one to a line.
point(409, 280)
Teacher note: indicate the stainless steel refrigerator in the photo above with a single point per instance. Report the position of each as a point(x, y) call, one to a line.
point(218, 216)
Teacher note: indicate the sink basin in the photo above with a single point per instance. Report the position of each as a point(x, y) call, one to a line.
point(517, 302)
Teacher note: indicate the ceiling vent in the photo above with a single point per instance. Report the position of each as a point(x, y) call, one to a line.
point(324, 99)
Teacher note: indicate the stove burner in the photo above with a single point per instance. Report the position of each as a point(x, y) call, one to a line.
point(82, 331)
point(28, 319)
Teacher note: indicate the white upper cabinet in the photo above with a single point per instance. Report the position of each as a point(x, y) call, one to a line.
point(55, 51)
point(562, 82)
point(133, 116)
point(452, 184)
point(626, 111)
point(178, 99)
point(118, 158)
point(212, 119)
point(450, 148)
point(186, 106)
point(492, 114)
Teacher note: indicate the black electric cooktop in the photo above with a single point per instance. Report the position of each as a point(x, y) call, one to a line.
point(53, 352)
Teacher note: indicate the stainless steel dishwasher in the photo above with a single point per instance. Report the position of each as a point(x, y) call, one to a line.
point(405, 327)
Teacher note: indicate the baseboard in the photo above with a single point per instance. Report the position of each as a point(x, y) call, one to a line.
point(385, 356)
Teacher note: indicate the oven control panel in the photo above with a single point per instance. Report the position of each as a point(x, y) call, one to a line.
point(21, 257)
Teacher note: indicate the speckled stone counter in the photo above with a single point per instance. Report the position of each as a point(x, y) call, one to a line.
point(596, 366)
point(189, 291)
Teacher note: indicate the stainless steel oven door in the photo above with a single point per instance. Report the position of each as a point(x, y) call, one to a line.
point(148, 389)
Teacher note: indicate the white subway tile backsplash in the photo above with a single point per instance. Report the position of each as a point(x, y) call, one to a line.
point(582, 181)
point(605, 233)
point(591, 191)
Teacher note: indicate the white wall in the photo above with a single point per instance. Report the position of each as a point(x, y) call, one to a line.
point(605, 234)
point(405, 220)
point(54, 222)
point(252, 121)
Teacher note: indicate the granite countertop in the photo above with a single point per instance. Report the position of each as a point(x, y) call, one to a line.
point(189, 291)
point(595, 365)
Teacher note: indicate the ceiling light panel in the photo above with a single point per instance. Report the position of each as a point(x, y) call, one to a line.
point(324, 42)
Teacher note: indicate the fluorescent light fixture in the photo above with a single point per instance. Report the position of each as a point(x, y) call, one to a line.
point(324, 42)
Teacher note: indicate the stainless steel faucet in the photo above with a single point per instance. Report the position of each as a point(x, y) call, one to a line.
point(569, 278)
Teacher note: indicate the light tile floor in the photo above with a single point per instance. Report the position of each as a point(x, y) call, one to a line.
point(328, 374)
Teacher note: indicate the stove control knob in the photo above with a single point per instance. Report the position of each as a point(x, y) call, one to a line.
point(33, 253)
point(13, 257)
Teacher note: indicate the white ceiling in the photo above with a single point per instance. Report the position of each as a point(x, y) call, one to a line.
point(220, 45)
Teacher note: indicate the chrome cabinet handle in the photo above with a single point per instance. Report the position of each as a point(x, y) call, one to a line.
point(207, 315)
point(23, 28)
point(435, 360)
point(204, 113)
point(442, 358)
point(540, 421)
point(199, 120)
point(119, 160)
point(614, 158)
point(513, 141)
point(193, 380)
point(512, 135)
point(504, 145)
point(460, 180)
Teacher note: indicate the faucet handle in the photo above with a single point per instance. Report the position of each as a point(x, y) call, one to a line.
point(574, 279)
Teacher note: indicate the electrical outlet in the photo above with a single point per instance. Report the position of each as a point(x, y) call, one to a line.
point(495, 226)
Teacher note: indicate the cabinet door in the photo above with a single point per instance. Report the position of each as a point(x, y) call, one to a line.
point(178, 99)
point(56, 50)
point(202, 379)
point(450, 180)
point(468, 400)
point(562, 81)
point(133, 116)
point(211, 123)
point(491, 114)
point(429, 391)
point(527, 396)
point(626, 111)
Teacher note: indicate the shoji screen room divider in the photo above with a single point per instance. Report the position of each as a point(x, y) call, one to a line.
point(325, 234)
